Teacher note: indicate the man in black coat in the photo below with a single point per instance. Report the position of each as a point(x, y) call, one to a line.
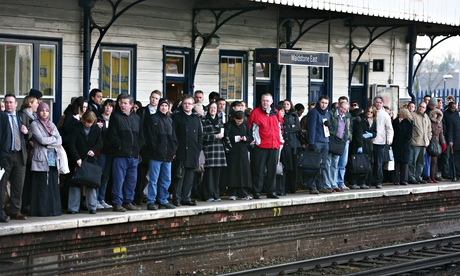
point(160, 149)
point(126, 139)
point(453, 138)
point(189, 133)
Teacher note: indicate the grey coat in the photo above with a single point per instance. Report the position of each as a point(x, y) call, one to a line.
point(42, 142)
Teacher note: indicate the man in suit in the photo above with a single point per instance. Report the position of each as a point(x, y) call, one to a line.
point(15, 169)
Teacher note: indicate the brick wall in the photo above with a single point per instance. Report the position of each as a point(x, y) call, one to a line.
point(220, 239)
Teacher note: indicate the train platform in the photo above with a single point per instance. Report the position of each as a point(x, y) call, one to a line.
point(108, 217)
point(217, 234)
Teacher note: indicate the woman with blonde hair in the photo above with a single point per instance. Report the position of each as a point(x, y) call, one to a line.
point(402, 126)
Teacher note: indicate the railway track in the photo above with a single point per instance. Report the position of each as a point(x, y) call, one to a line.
point(391, 260)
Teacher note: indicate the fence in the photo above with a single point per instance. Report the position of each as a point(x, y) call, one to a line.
point(440, 94)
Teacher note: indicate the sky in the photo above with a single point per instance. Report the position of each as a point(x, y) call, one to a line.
point(449, 45)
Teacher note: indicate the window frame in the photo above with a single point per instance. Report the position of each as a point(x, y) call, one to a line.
point(243, 55)
point(119, 47)
point(36, 42)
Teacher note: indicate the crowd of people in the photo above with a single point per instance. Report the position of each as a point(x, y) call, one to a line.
point(167, 155)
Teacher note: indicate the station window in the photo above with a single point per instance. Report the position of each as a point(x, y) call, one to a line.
point(233, 77)
point(27, 62)
point(358, 75)
point(116, 70)
point(316, 74)
point(175, 66)
point(263, 71)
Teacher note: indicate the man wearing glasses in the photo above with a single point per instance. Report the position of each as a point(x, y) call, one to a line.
point(421, 135)
point(384, 137)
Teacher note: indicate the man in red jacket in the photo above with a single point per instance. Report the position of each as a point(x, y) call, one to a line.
point(265, 124)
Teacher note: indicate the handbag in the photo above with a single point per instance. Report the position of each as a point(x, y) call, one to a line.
point(336, 145)
point(360, 163)
point(88, 174)
point(310, 160)
point(201, 161)
point(434, 148)
point(279, 168)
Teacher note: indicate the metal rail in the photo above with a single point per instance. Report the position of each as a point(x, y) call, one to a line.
point(345, 258)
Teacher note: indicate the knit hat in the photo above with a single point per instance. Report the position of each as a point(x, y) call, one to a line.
point(433, 101)
point(36, 93)
point(162, 101)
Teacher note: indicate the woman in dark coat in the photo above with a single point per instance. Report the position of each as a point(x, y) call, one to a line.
point(364, 129)
point(214, 153)
point(84, 142)
point(238, 173)
point(291, 136)
point(402, 127)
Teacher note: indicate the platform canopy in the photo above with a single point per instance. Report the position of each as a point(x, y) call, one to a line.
point(429, 11)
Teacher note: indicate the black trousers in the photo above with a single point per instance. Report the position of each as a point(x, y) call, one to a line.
point(183, 189)
point(15, 172)
point(264, 161)
point(401, 173)
point(211, 182)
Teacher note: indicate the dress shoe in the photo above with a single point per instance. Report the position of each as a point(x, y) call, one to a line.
point(422, 181)
point(130, 207)
point(151, 206)
point(92, 212)
point(18, 216)
point(326, 191)
point(338, 189)
point(404, 183)
point(167, 206)
point(118, 208)
point(72, 212)
point(4, 219)
point(364, 186)
point(176, 202)
point(257, 196)
point(189, 203)
point(413, 182)
point(435, 181)
point(430, 181)
point(273, 195)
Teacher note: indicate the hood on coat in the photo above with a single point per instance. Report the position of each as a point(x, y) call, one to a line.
point(439, 118)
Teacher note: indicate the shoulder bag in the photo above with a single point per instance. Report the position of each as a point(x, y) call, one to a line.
point(310, 160)
point(434, 148)
point(336, 145)
point(360, 163)
point(88, 174)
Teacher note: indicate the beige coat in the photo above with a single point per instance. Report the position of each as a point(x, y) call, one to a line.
point(421, 132)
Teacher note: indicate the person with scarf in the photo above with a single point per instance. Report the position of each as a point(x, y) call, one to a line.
point(46, 199)
point(28, 113)
point(214, 152)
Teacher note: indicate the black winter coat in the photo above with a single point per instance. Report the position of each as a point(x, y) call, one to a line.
point(125, 135)
point(190, 138)
point(360, 126)
point(238, 172)
point(160, 136)
point(401, 140)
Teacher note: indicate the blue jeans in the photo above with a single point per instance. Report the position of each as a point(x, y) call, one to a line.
point(378, 163)
point(75, 197)
point(159, 180)
point(124, 173)
point(331, 171)
point(105, 162)
point(343, 160)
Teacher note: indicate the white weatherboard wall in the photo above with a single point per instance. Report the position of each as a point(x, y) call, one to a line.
point(153, 24)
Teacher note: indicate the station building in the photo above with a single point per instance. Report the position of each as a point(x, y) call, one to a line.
point(65, 48)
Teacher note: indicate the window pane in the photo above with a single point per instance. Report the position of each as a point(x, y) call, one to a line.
point(358, 77)
point(263, 71)
point(116, 72)
point(15, 68)
point(175, 66)
point(231, 78)
point(47, 69)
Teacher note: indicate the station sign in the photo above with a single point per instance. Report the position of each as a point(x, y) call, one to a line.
point(303, 58)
